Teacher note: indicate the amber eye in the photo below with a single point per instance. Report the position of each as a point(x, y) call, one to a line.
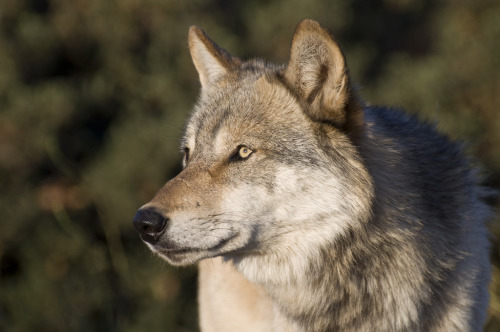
point(242, 153)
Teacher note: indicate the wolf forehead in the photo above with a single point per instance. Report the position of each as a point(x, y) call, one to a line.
point(239, 107)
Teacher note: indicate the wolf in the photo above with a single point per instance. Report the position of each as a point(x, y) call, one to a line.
point(308, 209)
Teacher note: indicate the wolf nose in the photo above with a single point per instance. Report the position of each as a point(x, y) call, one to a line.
point(150, 224)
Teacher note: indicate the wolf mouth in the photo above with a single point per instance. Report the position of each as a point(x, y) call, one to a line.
point(172, 252)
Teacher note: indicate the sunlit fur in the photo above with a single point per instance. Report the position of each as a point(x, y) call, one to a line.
point(345, 217)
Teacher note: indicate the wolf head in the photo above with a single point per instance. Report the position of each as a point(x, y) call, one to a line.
point(270, 157)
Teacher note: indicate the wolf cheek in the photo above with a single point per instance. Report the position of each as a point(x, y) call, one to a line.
point(197, 215)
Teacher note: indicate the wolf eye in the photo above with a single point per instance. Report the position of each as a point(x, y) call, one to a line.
point(242, 153)
point(186, 156)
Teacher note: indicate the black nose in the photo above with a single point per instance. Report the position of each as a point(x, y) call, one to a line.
point(150, 224)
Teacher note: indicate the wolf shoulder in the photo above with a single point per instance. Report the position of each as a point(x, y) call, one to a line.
point(418, 147)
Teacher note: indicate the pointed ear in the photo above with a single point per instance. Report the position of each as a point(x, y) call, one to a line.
point(317, 73)
point(210, 60)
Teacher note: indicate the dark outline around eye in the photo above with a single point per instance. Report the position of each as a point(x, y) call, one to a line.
point(186, 156)
point(236, 154)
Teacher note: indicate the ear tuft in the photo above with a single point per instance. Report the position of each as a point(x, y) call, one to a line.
point(210, 60)
point(317, 73)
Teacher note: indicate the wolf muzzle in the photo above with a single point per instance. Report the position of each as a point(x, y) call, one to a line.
point(150, 224)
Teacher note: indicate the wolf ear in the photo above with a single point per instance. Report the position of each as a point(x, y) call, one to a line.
point(317, 73)
point(210, 60)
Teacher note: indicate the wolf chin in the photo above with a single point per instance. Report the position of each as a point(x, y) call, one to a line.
point(307, 209)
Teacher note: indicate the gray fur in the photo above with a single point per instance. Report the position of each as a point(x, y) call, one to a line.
point(345, 217)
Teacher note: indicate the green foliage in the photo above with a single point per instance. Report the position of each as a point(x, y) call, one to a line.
point(93, 99)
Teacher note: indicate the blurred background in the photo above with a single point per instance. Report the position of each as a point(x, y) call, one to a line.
point(93, 99)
